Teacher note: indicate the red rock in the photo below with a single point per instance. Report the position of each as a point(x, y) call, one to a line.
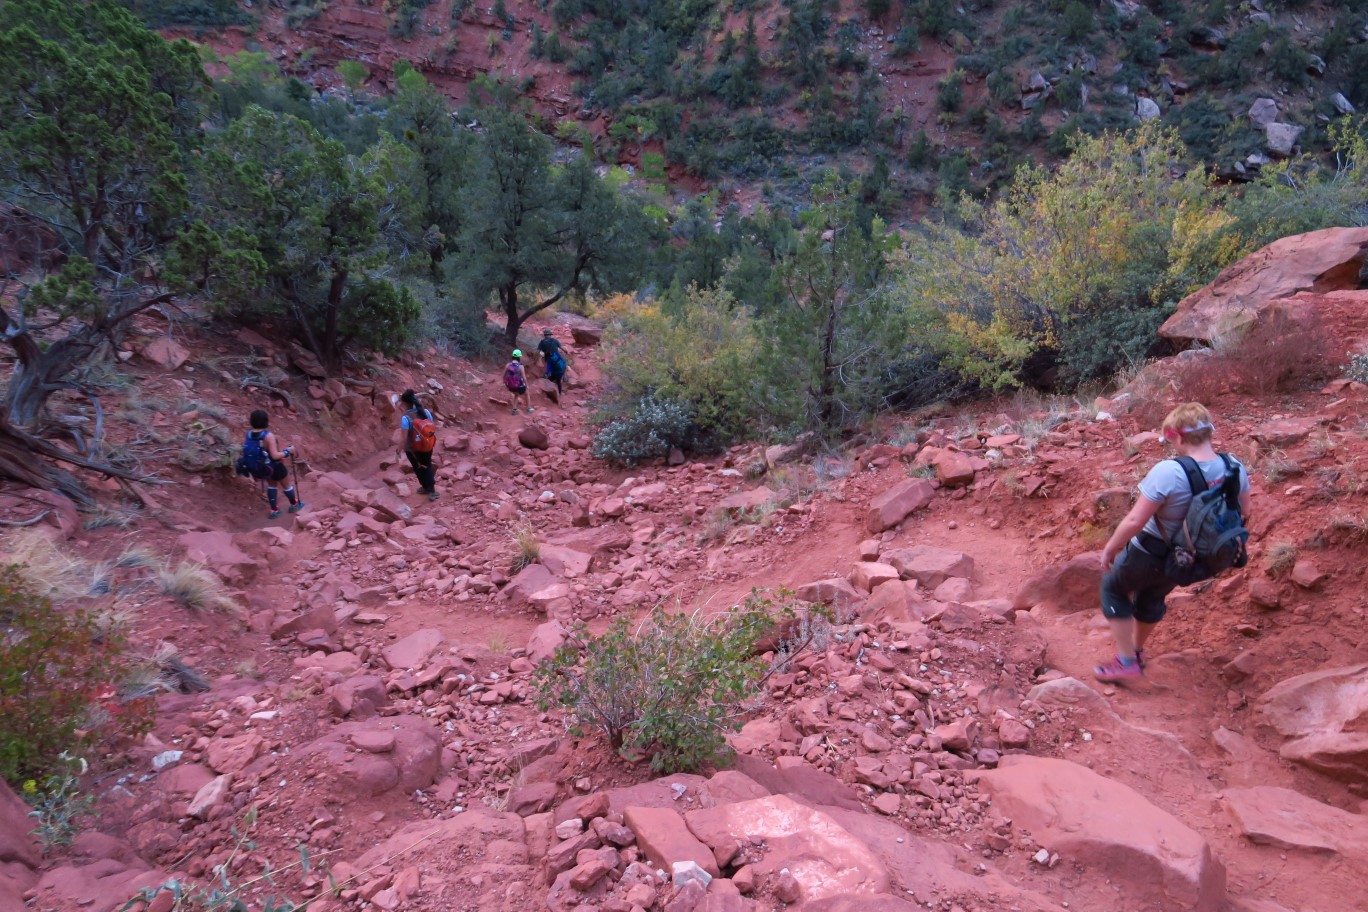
point(1013, 733)
point(998, 441)
point(894, 505)
point(232, 755)
point(955, 589)
point(747, 500)
point(16, 843)
point(688, 898)
point(360, 696)
point(166, 353)
point(533, 438)
point(1070, 586)
point(867, 575)
point(529, 581)
point(887, 803)
point(955, 470)
point(1102, 824)
point(613, 507)
point(213, 794)
point(586, 335)
point(837, 593)
point(1319, 261)
point(958, 735)
point(802, 779)
point(1307, 575)
point(373, 742)
point(896, 602)
point(930, 566)
point(564, 562)
point(218, 552)
point(1285, 432)
point(1265, 594)
point(1286, 819)
point(822, 857)
point(413, 763)
point(413, 651)
point(665, 839)
point(1324, 716)
point(534, 797)
point(591, 872)
point(545, 640)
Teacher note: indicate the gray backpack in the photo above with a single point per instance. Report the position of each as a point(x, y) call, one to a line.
point(1212, 538)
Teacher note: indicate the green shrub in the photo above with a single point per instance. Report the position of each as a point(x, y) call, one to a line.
point(650, 431)
point(60, 673)
point(673, 685)
point(1357, 368)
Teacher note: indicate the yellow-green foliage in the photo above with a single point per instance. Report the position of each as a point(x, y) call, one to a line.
point(1057, 247)
point(703, 355)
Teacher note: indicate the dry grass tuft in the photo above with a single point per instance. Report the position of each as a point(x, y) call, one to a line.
point(195, 587)
point(528, 548)
point(1280, 559)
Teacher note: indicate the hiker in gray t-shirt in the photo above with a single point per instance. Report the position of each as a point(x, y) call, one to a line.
point(1134, 584)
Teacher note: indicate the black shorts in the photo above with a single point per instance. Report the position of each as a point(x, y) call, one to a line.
point(1136, 587)
point(520, 390)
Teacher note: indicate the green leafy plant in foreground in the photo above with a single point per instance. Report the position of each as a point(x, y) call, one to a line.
point(673, 685)
point(57, 802)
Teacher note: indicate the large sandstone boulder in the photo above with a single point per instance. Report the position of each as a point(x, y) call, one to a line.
point(413, 650)
point(1286, 819)
point(824, 858)
point(1320, 261)
point(1103, 824)
point(665, 839)
point(370, 757)
point(894, 505)
point(1071, 586)
point(220, 553)
point(166, 353)
point(1324, 716)
point(930, 566)
point(838, 593)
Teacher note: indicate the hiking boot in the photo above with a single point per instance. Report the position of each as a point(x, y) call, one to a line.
point(1116, 670)
point(274, 514)
point(530, 410)
point(296, 507)
point(515, 411)
point(433, 495)
point(1140, 658)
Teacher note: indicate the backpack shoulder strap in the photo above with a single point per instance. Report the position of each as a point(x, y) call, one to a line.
point(1197, 482)
point(1230, 487)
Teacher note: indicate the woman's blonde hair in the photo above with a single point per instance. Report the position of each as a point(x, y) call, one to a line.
point(1191, 422)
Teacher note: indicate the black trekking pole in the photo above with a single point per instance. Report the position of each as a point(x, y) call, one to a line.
point(294, 474)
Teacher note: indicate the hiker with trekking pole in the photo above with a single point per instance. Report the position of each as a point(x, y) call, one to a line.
point(263, 458)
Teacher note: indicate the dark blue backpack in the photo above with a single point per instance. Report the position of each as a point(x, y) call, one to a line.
point(555, 365)
point(254, 462)
point(1212, 537)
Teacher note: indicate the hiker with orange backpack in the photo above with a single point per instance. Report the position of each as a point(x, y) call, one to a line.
point(420, 439)
point(1188, 525)
point(515, 378)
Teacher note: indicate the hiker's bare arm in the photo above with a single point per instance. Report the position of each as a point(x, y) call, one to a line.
point(1128, 528)
point(273, 447)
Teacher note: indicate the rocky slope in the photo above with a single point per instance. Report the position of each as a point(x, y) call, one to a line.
point(946, 747)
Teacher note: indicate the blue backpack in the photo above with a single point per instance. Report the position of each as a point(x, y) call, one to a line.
point(254, 462)
point(555, 365)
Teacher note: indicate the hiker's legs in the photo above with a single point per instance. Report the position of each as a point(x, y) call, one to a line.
point(1133, 597)
point(422, 467)
point(526, 398)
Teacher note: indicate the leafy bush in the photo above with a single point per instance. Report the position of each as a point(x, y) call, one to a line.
point(694, 364)
point(673, 686)
point(1357, 368)
point(57, 802)
point(60, 671)
point(202, 14)
point(650, 431)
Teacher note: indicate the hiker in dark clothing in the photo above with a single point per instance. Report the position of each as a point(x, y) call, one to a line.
point(264, 459)
point(554, 361)
point(419, 437)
